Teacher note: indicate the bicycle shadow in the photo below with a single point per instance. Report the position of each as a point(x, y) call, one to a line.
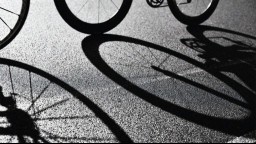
point(237, 127)
point(22, 124)
point(238, 53)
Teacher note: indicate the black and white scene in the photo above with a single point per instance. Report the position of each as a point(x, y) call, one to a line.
point(127, 71)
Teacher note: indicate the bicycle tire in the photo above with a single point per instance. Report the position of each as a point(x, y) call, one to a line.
point(192, 20)
point(89, 28)
point(19, 24)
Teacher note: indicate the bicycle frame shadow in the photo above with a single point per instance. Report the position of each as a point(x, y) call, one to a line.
point(91, 46)
point(215, 55)
point(28, 128)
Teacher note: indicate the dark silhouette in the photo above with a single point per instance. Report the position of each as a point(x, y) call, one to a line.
point(22, 124)
point(235, 127)
point(238, 58)
point(8, 102)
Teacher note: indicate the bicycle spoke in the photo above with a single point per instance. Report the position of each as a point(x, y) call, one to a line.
point(59, 138)
point(142, 56)
point(94, 12)
point(153, 55)
point(38, 97)
point(13, 15)
point(115, 5)
point(82, 6)
point(10, 74)
point(65, 118)
point(165, 60)
point(9, 11)
point(50, 107)
point(104, 8)
point(131, 66)
point(31, 92)
point(204, 3)
point(6, 24)
point(58, 111)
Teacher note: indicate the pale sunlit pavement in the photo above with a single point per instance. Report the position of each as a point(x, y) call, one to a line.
point(151, 79)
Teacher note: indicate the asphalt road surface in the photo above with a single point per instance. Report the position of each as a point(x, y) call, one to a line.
point(151, 79)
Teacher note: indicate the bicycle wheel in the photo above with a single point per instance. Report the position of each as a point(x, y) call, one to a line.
point(192, 12)
point(93, 16)
point(12, 18)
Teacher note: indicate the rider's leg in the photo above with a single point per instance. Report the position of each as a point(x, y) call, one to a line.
point(2, 97)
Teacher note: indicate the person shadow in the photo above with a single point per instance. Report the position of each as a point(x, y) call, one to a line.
point(238, 58)
point(20, 123)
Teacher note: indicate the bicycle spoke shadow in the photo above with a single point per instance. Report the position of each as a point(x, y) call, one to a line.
point(21, 125)
point(237, 127)
point(49, 119)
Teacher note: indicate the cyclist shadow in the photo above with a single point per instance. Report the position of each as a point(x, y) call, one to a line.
point(21, 125)
point(20, 122)
point(236, 127)
point(238, 57)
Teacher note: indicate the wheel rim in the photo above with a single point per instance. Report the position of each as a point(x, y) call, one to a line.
point(193, 8)
point(108, 62)
point(94, 11)
point(11, 17)
point(44, 111)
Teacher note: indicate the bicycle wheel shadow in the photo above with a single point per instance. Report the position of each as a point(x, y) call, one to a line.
point(238, 57)
point(25, 124)
point(237, 127)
